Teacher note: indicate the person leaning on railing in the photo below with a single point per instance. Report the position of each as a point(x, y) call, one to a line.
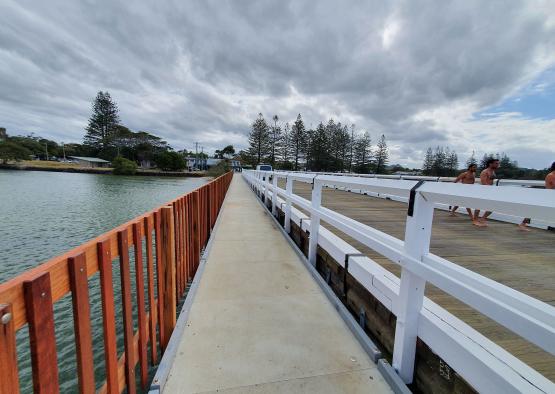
point(550, 178)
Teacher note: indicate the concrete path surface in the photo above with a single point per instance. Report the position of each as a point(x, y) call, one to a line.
point(259, 323)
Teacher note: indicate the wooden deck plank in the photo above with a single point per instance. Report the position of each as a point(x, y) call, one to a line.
point(522, 261)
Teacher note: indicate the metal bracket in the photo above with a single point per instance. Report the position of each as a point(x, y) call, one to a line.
point(412, 196)
point(313, 181)
point(328, 276)
point(362, 318)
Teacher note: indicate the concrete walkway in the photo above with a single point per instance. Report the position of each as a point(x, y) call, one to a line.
point(259, 323)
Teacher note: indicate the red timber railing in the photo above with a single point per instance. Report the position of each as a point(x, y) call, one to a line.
point(178, 231)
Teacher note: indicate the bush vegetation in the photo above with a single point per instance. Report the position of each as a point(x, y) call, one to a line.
point(123, 166)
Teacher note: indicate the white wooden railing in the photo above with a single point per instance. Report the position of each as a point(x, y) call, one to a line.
point(486, 366)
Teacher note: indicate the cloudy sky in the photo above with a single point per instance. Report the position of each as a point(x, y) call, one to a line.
point(472, 75)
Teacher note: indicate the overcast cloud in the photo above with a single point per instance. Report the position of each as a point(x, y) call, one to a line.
point(417, 71)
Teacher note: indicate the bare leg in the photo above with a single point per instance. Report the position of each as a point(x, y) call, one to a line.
point(485, 217)
point(523, 226)
point(475, 221)
point(453, 212)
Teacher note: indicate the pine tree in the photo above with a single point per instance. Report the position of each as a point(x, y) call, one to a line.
point(428, 162)
point(297, 141)
point(285, 147)
point(471, 160)
point(319, 147)
point(439, 161)
point(362, 153)
point(103, 122)
point(381, 157)
point(259, 140)
point(276, 140)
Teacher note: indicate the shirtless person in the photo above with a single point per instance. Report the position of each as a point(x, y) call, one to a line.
point(550, 178)
point(468, 178)
point(486, 178)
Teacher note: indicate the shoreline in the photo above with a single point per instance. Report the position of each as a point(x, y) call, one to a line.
point(102, 171)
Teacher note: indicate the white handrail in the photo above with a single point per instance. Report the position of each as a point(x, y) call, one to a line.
point(532, 319)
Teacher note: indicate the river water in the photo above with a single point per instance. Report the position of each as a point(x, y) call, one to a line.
point(43, 214)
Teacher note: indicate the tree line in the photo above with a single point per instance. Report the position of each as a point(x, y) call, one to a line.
point(442, 161)
point(105, 137)
point(330, 147)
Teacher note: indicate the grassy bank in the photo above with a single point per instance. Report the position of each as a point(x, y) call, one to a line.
point(35, 165)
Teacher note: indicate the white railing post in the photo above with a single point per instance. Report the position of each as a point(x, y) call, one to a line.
point(411, 292)
point(288, 193)
point(274, 194)
point(266, 187)
point(316, 201)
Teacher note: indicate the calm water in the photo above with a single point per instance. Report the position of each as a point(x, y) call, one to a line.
point(44, 214)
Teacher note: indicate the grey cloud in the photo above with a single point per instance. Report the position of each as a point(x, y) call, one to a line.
point(192, 69)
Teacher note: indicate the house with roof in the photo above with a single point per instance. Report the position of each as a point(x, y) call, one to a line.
point(91, 162)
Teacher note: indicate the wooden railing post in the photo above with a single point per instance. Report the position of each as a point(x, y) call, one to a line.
point(108, 316)
point(316, 201)
point(9, 379)
point(196, 230)
point(418, 231)
point(40, 315)
point(151, 299)
point(141, 304)
point(125, 278)
point(168, 274)
point(77, 268)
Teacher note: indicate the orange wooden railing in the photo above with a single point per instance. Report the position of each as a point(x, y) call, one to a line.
point(180, 229)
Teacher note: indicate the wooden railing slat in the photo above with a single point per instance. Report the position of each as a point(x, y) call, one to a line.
point(77, 268)
point(159, 276)
point(196, 231)
point(123, 247)
point(151, 299)
point(9, 378)
point(40, 315)
point(141, 307)
point(168, 274)
point(108, 316)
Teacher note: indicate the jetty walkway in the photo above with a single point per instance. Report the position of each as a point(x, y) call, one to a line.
point(286, 284)
point(259, 322)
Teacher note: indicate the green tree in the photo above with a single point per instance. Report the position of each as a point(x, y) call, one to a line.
point(297, 141)
point(103, 122)
point(123, 166)
point(170, 161)
point(471, 160)
point(259, 140)
point(381, 157)
point(275, 140)
point(362, 153)
point(318, 151)
point(427, 166)
point(10, 151)
point(227, 151)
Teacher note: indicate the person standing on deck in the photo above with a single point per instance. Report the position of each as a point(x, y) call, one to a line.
point(468, 178)
point(486, 178)
point(550, 178)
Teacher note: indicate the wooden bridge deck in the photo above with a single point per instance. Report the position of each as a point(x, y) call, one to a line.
point(259, 322)
point(522, 261)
